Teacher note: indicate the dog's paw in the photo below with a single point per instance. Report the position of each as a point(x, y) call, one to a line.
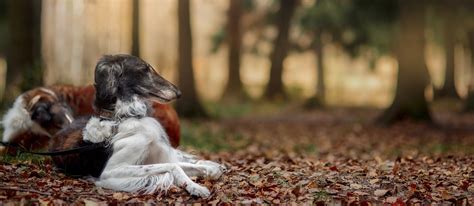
point(198, 190)
point(212, 164)
point(213, 170)
point(98, 131)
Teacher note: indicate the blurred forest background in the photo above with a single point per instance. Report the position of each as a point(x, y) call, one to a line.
point(298, 98)
point(395, 54)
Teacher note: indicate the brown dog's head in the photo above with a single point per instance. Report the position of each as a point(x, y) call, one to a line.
point(125, 78)
point(47, 111)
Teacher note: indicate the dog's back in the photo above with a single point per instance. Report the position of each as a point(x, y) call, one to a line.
point(82, 164)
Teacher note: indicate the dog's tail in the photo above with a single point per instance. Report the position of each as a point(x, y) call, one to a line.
point(148, 184)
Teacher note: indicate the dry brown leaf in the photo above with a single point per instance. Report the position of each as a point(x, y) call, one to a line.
point(380, 192)
point(391, 199)
point(446, 195)
point(89, 202)
point(356, 186)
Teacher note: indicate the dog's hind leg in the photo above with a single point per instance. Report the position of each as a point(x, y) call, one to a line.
point(140, 174)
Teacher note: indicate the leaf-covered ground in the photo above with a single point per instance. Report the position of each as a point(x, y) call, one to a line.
point(334, 156)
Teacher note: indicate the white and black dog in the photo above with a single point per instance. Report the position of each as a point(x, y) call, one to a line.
point(139, 157)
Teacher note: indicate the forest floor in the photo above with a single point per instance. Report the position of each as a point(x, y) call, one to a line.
point(327, 156)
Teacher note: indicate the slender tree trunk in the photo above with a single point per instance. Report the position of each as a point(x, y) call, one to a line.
point(275, 87)
point(449, 88)
point(188, 105)
point(234, 87)
point(23, 62)
point(469, 104)
point(321, 85)
point(136, 28)
point(318, 100)
point(413, 78)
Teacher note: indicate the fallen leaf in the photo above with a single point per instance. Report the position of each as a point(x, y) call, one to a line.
point(88, 202)
point(120, 196)
point(391, 199)
point(373, 181)
point(356, 186)
point(445, 195)
point(380, 192)
point(372, 173)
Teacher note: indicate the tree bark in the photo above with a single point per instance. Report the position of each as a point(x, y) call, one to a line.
point(469, 104)
point(275, 87)
point(321, 85)
point(234, 87)
point(23, 60)
point(318, 100)
point(136, 28)
point(449, 87)
point(188, 105)
point(410, 101)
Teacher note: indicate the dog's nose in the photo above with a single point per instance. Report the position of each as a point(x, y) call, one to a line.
point(178, 94)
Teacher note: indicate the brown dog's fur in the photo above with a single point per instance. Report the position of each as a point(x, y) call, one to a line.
point(33, 140)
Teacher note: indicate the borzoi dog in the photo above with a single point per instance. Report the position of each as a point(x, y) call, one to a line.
point(139, 157)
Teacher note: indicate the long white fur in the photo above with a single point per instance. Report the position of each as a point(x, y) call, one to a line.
point(144, 161)
point(17, 119)
point(135, 108)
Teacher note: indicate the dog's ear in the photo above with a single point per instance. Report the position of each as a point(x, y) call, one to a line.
point(107, 73)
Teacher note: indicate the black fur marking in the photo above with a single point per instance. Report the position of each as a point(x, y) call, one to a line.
point(86, 163)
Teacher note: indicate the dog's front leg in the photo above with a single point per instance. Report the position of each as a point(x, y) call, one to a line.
point(97, 131)
point(179, 176)
point(202, 170)
point(214, 169)
point(198, 170)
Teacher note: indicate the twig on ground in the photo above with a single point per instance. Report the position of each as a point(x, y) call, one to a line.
point(25, 190)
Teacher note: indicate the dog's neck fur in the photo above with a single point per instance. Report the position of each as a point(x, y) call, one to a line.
point(102, 128)
point(136, 108)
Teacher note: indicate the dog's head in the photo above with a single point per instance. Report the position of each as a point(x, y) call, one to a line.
point(124, 78)
point(46, 110)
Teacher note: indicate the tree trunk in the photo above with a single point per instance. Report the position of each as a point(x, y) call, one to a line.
point(188, 105)
point(449, 87)
point(23, 61)
point(409, 101)
point(469, 104)
point(234, 87)
point(318, 100)
point(275, 87)
point(136, 28)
